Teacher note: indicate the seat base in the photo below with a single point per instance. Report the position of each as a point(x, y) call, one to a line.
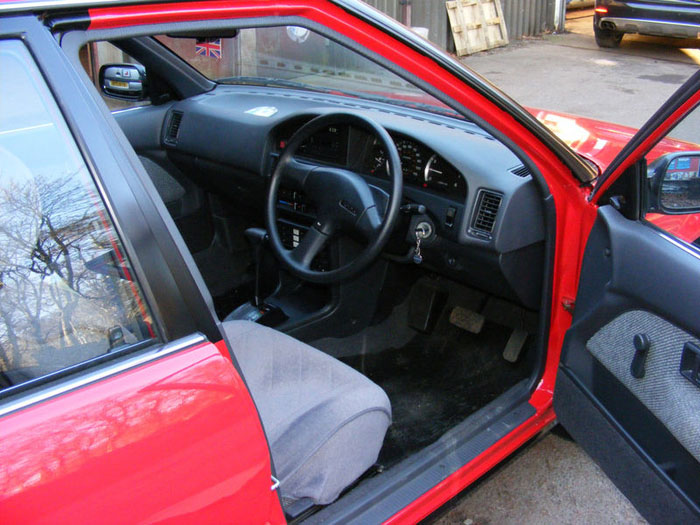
point(324, 421)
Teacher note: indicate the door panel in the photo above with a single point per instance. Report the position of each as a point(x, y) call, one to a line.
point(672, 399)
point(172, 440)
point(643, 430)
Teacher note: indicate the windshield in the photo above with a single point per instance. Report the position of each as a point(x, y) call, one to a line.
point(295, 57)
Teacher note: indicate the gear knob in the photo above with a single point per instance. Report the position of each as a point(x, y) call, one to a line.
point(256, 236)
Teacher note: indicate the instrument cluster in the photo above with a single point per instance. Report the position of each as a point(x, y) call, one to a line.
point(420, 166)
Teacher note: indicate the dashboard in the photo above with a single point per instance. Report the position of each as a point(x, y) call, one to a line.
point(348, 147)
point(485, 210)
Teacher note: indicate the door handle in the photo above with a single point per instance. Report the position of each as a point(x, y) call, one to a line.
point(642, 343)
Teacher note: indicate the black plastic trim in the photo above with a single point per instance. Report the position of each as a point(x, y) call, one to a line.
point(630, 469)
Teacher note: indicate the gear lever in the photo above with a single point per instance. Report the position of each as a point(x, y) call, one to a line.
point(257, 237)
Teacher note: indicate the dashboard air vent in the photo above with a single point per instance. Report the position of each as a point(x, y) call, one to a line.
point(521, 171)
point(484, 219)
point(173, 128)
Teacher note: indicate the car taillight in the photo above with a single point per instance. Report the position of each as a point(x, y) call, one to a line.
point(601, 10)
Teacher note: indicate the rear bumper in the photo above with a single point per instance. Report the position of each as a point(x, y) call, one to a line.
point(650, 27)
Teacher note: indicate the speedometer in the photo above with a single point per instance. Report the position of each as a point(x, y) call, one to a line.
point(411, 160)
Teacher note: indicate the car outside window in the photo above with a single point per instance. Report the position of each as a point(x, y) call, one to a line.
point(298, 58)
point(67, 292)
point(673, 176)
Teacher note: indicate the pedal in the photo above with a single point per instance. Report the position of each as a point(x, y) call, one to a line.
point(514, 346)
point(468, 320)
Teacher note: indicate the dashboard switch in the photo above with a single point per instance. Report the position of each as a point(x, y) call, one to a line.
point(450, 216)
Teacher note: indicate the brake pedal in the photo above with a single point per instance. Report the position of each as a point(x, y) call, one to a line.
point(468, 320)
point(514, 346)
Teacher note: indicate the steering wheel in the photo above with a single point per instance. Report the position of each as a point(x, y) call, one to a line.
point(343, 200)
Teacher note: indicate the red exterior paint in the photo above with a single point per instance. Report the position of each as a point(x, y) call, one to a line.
point(574, 215)
point(684, 226)
point(600, 141)
point(649, 143)
point(177, 440)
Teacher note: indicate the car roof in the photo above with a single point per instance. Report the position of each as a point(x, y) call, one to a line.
point(12, 6)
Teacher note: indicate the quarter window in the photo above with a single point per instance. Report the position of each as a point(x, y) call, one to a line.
point(67, 291)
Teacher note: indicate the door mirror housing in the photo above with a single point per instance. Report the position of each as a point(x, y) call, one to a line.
point(675, 183)
point(124, 81)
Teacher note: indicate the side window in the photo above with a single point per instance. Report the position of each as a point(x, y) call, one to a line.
point(96, 54)
point(67, 294)
point(673, 176)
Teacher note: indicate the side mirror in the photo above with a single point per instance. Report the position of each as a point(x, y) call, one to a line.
point(675, 182)
point(124, 81)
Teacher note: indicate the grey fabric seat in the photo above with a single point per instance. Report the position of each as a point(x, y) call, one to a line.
point(325, 422)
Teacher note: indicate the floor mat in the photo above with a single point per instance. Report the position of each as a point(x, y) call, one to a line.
point(436, 380)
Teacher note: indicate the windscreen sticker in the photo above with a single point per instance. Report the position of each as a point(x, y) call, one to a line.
point(263, 111)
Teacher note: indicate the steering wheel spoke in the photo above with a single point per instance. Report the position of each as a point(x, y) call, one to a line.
point(296, 173)
point(310, 246)
point(369, 224)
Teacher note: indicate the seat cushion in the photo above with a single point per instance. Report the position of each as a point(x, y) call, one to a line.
point(325, 422)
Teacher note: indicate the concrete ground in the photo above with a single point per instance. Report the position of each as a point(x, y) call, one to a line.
point(554, 481)
point(569, 73)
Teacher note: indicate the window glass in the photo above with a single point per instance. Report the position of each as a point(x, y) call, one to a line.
point(67, 293)
point(95, 55)
point(673, 175)
point(295, 57)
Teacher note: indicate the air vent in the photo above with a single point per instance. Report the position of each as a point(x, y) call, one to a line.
point(521, 171)
point(173, 128)
point(484, 220)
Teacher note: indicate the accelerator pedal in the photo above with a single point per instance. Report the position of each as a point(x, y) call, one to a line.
point(514, 346)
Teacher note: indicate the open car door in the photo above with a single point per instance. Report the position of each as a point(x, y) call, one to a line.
point(628, 388)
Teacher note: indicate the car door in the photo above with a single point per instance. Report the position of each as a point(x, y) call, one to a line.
point(628, 388)
point(119, 402)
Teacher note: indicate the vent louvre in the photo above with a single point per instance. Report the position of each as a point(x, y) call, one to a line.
point(173, 128)
point(521, 171)
point(486, 211)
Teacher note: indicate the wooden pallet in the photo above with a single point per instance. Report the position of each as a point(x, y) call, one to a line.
point(476, 25)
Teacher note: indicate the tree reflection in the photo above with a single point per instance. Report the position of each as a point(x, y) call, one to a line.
point(57, 305)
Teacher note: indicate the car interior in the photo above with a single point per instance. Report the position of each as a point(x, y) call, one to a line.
point(370, 251)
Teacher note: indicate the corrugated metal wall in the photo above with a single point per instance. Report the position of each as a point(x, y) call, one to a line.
point(528, 17)
point(523, 17)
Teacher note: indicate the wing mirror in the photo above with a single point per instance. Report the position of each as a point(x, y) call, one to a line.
point(675, 183)
point(124, 81)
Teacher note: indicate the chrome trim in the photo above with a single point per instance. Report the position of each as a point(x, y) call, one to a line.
point(681, 244)
point(97, 375)
point(688, 28)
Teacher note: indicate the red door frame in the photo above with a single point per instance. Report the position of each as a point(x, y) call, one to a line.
point(574, 214)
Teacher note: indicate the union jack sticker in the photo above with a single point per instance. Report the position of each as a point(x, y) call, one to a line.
point(209, 48)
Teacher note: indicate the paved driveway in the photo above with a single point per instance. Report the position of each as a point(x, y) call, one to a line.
point(554, 481)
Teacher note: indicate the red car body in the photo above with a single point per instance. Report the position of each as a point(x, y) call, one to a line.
point(78, 456)
point(602, 141)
